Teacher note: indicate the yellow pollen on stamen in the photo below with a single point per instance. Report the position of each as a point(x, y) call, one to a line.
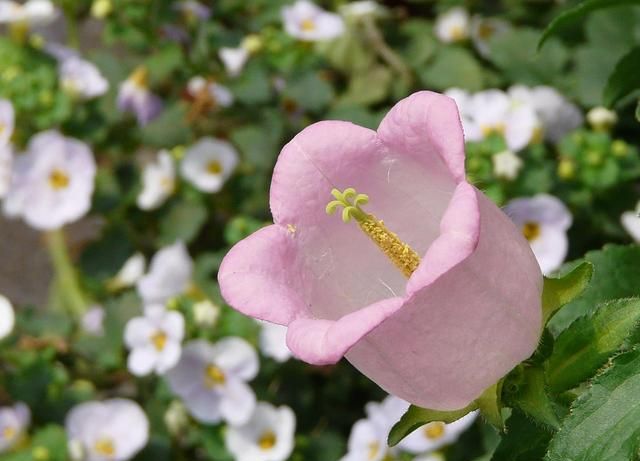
point(9, 432)
point(213, 376)
point(105, 447)
point(531, 230)
point(267, 440)
point(308, 25)
point(159, 340)
point(434, 430)
point(58, 179)
point(214, 167)
point(374, 449)
point(399, 253)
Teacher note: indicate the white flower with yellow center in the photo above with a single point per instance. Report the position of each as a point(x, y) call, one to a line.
point(158, 182)
point(544, 221)
point(506, 165)
point(212, 380)
point(111, 430)
point(81, 78)
point(631, 222)
point(437, 434)
point(483, 30)
point(273, 341)
point(6, 162)
point(134, 96)
point(209, 163)
point(52, 183)
point(154, 340)
point(233, 59)
point(169, 275)
point(31, 13)
point(14, 422)
point(7, 317)
point(453, 25)
point(267, 436)
point(218, 95)
point(306, 21)
point(6, 121)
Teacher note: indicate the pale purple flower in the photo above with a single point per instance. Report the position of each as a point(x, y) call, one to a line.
point(135, 96)
point(169, 275)
point(82, 78)
point(14, 422)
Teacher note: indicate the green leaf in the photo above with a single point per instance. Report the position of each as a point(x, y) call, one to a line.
point(310, 91)
point(624, 79)
point(587, 344)
point(166, 60)
point(576, 13)
point(604, 423)
point(452, 67)
point(368, 87)
point(252, 86)
point(533, 399)
point(169, 129)
point(638, 111)
point(523, 440)
point(416, 417)
point(490, 406)
point(559, 291)
point(182, 222)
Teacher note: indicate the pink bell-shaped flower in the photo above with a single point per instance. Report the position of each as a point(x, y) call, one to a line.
point(430, 290)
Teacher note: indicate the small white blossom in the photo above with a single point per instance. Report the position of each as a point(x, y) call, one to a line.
point(134, 96)
point(7, 317)
point(601, 118)
point(544, 221)
point(6, 163)
point(32, 12)
point(212, 380)
point(132, 270)
point(158, 182)
point(113, 430)
point(218, 94)
point(14, 422)
point(169, 274)
point(483, 29)
point(154, 340)
point(453, 25)
point(273, 341)
point(52, 183)
point(205, 313)
point(93, 320)
point(305, 20)
point(631, 222)
point(82, 79)
point(209, 163)
point(506, 165)
point(233, 59)
point(267, 436)
point(437, 434)
point(6, 121)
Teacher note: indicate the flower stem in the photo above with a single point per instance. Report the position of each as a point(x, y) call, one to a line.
point(66, 279)
point(376, 39)
point(73, 36)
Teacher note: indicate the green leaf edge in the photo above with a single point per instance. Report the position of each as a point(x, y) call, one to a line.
point(559, 291)
point(611, 94)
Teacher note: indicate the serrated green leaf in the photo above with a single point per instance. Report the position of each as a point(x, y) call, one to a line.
point(587, 344)
point(416, 417)
point(489, 404)
point(523, 440)
point(578, 12)
point(559, 291)
point(604, 423)
point(533, 399)
point(624, 79)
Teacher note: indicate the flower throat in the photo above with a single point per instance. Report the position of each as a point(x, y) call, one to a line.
point(399, 253)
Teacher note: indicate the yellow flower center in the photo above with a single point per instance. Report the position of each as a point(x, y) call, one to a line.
point(458, 33)
point(159, 340)
point(105, 447)
point(58, 179)
point(213, 376)
point(2, 128)
point(485, 31)
point(9, 432)
point(267, 440)
point(488, 130)
point(140, 77)
point(308, 25)
point(214, 167)
point(531, 230)
point(374, 449)
point(434, 430)
point(167, 184)
point(538, 135)
point(399, 253)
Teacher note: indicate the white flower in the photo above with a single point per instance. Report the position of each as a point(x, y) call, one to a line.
point(93, 320)
point(14, 422)
point(631, 222)
point(82, 78)
point(306, 21)
point(218, 94)
point(52, 183)
point(6, 121)
point(267, 436)
point(483, 29)
point(233, 59)
point(6, 162)
point(453, 25)
point(134, 96)
point(205, 313)
point(209, 163)
point(154, 340)
point(212, 380)
point(360, 9)
point(506, 165)
point(158, 182)
point(32, 12)
point(169, 274)
point(437, 434)
point(273, 341)
point(7, 317)
point(132, 270)
point(601, 118)
point(111, 430)
point(544, 221)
